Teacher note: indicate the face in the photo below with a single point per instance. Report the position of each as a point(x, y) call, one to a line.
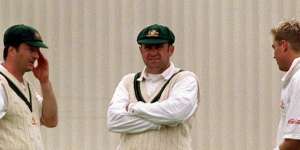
point(281, 54)
point(25, 56)
point(156, 57)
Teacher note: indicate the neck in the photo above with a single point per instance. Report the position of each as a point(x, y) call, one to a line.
point(17, 74)
point(297, 55)
point(293, 55)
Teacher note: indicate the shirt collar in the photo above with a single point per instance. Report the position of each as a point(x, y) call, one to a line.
point(165, 74)
point(10, 76)
point(294, 67)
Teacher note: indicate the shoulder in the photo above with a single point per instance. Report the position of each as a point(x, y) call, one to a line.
point(185, 77)
point(296, 76)
point(2, 77)
point(186, 74)
point(129, 76)
point(127, 79)
point(3, 80)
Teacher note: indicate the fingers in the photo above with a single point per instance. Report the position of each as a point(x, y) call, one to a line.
point(42, 61)
point(41, 56)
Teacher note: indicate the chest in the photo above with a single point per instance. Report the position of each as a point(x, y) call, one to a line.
point(288, 96)
point(151, 91)
point(18, 110)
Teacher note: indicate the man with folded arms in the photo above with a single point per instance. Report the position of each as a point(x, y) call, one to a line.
point(153, 109)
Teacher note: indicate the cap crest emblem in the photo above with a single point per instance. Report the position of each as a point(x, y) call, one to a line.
point(152, 33)
point(37, 36)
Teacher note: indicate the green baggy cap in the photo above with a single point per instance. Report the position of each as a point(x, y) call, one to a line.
point(20, 33)
point(156, 34)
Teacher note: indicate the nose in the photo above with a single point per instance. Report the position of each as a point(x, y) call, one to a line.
point(153, 51)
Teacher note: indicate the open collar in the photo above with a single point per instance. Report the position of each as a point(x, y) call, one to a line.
point(292, 70)
point(19, 84)
point(166, 75)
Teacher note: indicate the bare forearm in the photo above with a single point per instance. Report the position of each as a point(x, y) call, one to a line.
point(290, 144)
point(49, 106)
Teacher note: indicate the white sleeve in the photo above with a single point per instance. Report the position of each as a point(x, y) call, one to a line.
point(276, 148)
point(292, 122)
point(3, 101)
point(180, 105)
point(119, 120)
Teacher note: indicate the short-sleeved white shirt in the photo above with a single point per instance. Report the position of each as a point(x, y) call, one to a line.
point(289, 126)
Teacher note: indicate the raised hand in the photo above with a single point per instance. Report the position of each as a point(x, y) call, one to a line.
point(41, 71)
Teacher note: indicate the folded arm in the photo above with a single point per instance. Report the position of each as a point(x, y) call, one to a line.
point(180, 105)
point(119, 120)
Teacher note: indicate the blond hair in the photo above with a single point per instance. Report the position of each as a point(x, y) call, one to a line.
point(290, 31)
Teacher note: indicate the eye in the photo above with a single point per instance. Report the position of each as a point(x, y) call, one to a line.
point(34, 49)
point(159, 46)
point(147, 47)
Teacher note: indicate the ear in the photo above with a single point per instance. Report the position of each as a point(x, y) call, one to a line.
point(11, 51)
point(285, 45)
point(171, 49)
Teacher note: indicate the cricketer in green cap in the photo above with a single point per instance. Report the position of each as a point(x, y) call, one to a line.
point(156, 46)
point(29, 109)
point(156, 105)
point(20, 33)
point(156, 34)
point(24, 109)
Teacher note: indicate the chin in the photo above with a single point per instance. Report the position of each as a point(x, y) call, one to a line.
point(28, 69)
point(283, 69)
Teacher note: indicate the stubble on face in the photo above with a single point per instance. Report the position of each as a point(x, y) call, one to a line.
point(282, 55)
point(156, 57)
point(26, 57)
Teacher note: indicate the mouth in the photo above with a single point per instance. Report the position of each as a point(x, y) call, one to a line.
point(153, 60)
